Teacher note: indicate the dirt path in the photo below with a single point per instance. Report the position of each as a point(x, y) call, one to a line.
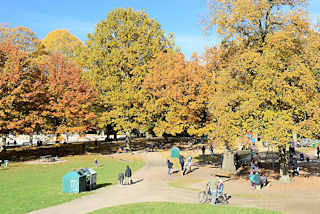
point(301, 197)
point(153, 187)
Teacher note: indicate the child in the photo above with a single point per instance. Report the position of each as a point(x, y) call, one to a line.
point(120, 178)
point(96, 163)
point(170, 165)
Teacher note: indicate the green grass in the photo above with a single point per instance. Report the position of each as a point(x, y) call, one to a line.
point(177, 208)
point(27, 187)
point(184, 183)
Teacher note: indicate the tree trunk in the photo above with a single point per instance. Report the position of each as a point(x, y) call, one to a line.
point(284, 165)
point(128, 141)
point(228, 161)
point(148, 135)
point(30, 139)
point(2, 143)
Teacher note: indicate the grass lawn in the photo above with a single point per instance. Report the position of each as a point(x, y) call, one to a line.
point(26, 187)
point(177, 208)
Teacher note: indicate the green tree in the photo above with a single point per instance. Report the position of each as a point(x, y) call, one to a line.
point(268, 87)
point(116, 61)
point(62, 42)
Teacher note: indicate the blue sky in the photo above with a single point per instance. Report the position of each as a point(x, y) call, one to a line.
point(182, 17)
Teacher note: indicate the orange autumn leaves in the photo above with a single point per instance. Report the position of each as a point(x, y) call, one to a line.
point(177, 91)
point(45, 97)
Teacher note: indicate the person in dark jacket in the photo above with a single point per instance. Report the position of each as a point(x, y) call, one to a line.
point(203, 150)
point(170, 165)
point(127, 176)
point(181, 161)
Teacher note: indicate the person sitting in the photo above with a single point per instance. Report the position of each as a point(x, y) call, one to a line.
point(119, 150)
point(257, 180)
point(301, 157)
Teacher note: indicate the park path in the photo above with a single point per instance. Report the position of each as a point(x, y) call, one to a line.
point(153, 186)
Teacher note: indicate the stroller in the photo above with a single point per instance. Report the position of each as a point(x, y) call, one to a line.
point(206, 196)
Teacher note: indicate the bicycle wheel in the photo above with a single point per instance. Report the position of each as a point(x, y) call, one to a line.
point(203, 197)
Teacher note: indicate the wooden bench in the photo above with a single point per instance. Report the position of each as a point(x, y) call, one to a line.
point(46, 158)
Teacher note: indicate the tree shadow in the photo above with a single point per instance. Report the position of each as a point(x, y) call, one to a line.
point(137, 181)
point(98, 186)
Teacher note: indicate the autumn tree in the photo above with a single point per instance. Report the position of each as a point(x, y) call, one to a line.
point(22, 95)
point(70, 98)
point(116, 61)
point(62, 42)
point(268, 84)
point(21, 37)
point(177, 95)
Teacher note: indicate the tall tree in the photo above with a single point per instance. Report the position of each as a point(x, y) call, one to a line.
point(268, 84)
point(62, 42)
point(21, 37)
point(177, 95)
point(22, 93)
point(116, 62)
point(70, 100)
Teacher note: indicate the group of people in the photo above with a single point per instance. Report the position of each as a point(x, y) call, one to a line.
point(257, 180)
point(184, 165)
point(211, 149)
point(126, 177)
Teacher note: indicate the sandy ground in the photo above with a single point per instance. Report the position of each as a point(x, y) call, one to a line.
point(152, 184)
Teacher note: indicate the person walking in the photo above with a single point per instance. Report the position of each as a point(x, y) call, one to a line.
point(189, 160)
point(181, 161)
point(127, 175)
point(213, 188)
point(318, 152)
point(170, 165)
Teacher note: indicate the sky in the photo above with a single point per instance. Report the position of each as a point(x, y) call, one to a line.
point(181, 17)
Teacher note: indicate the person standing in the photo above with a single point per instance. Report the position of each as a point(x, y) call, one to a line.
point(318, 152)
point(120, 178)
point(96, 163)
point(203, 148)
point(127, 175)
point(211, 150)
point(181, 161)
point(170, 165)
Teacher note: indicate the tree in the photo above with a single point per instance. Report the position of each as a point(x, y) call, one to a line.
point(116, 61)
point(68, 108)
point(21, 37)
point(177, 95)
point(62, 42)
point(269, 86)
point(22, 94)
